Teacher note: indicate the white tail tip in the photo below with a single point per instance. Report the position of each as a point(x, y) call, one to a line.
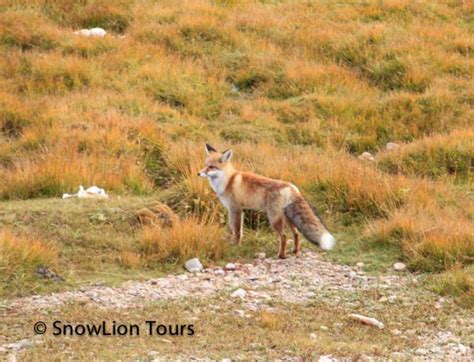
point(327, 241)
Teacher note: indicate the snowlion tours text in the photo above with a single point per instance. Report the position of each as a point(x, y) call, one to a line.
point(113, 328)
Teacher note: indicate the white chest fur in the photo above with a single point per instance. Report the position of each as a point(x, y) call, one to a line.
point(218, 183)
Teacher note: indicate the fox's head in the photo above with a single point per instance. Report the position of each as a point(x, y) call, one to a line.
point(216, 162)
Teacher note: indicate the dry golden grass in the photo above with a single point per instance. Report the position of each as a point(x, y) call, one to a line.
point(296, 88)
point(20, 255)
point(438, 156)
point(185, 239)
point(433, 239)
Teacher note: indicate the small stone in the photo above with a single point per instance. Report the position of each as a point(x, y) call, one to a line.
point(326, 358)
point(462, 348)
point(360, 264)
point(324, 328)
point(219, 272)
point(390, 146)
point(399, 266)
point(383, 299)
point(396, 332)
point(193, 265)
point(239, 293)
point(352, 274)
point(366, 156)
point(260, 256)
point(313, 336)
point(153, 353)
point(421, 352)
point(230, 266)
point(19, 345)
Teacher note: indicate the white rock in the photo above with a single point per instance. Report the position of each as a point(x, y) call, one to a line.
point(153, 353)
point(324, 328)
point(360, 264)
point(97, 32)
point(19, 345)
point(193, 265)
point(239, 293)
point(313, 336)
point(219, 272)
point(366, 156)
point(326, 358)
point(260, 256)
point(421, 351)
point(85, 32)
point(230, 266)
point(390, 146)
point(366, 320)
point(399, 266)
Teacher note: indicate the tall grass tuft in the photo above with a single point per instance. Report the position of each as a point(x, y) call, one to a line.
point(21, 255)
point(187, 238)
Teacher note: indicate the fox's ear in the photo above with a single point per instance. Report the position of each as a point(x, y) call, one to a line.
point(210, 149)
point(226, 156)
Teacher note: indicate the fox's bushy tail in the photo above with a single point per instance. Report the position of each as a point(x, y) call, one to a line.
point(301, 215)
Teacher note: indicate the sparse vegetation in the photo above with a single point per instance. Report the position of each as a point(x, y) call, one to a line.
point(298, 89)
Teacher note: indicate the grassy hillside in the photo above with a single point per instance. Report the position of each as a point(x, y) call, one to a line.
point(297, 88)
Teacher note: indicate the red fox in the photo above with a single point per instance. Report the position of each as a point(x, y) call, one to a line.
point(281, 200)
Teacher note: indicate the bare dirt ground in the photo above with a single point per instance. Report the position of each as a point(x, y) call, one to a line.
point(442, 330)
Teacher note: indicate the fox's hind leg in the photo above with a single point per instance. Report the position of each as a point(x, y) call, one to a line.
point(296, 237)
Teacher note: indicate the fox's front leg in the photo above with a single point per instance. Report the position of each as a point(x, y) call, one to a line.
point(235, 224)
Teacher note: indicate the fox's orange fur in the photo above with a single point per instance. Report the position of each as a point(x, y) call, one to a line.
point(281, 200)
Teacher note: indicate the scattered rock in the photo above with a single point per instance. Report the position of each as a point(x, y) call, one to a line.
point(45, 272)
point(97, 32)
point(421, 352)
point(193, 265)
point(324, 328)
point(366, 320)
point(390, 146)
point(230, 267)
point(366, 156)
point(19, 345)
point(260, 256)
point(239, 293)
point(326, 358)
point(360, 264)
point(313, 336)
point(153, 354)
point(399, 266)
